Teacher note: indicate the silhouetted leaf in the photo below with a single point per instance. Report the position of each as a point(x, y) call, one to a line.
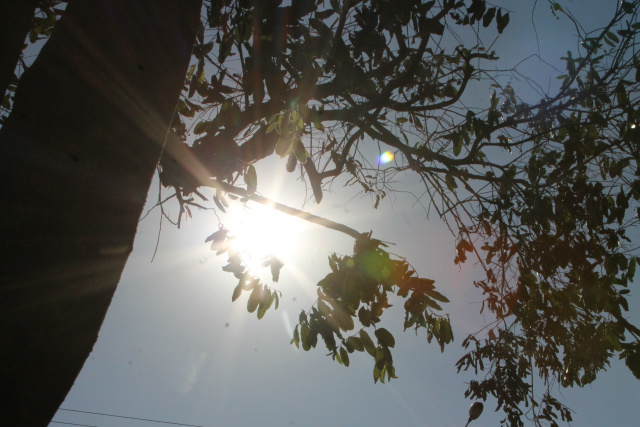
point(437, 296)
point(433, 26)
point(343, 319)
point(219, 204)
point(502, 21)
point(292, 162)
point(385, 337)
point(367, 342)
point(299, 151)
point(276, 265)
point(488, 17)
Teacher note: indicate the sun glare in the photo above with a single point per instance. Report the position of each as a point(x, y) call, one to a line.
point(261, 231)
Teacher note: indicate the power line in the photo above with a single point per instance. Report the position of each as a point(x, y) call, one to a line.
point(72, 424)
point(122, 416)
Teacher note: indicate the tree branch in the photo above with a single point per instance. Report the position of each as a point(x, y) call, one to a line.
point(309, 217)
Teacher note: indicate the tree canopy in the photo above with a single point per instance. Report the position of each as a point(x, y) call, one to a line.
point(540, 194)
point(540, 190)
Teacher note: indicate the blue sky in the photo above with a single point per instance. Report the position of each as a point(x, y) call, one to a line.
point(175, 348)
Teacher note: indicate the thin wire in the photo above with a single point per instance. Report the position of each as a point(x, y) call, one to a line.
point(129, 418)
point(72, 424)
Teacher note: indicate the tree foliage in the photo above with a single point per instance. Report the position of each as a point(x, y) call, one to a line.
point(542, 194)
point(35, 17)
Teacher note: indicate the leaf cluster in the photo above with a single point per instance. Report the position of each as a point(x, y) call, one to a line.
point(357, 291)
point(261, 297)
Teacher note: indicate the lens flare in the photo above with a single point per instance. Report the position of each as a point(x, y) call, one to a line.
point(385, 157)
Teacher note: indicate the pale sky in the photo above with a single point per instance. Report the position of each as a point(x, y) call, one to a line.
point(175, 348)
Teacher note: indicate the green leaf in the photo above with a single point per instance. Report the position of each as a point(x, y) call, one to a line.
point(296, 337)
point(450, 91)
point(613, 340)
point(292, 162)
point(431, 303)
point(201, 127)
point(401, 120)
point(450, 181)
point(457, 146)
point(632, 360)
point(621, 94)
point(272, 126)
point(254, 299)
point(299, 151)
point(364, 316)
point(343, 319)
point(192, 69)
point(385, 337)
point(283, 146)
point(446, 333)
point(344, 356)
point(611, 36)
point(488, 17)
point(367, 342)
point(304, 337)
point(250, 284)
point(437, 296)
point(631, 269)
point(356, 343)
point(237, 292)
point(337, 357)
point(324, 308)
point(273, 295)
point(265, 302)
point(503, 20)
point(383, 374)
point(433, 26)
point(225, 48)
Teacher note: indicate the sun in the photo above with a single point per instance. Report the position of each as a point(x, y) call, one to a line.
point(262, 231)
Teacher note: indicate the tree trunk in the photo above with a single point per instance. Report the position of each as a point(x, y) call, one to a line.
point(15, 18)
point(77, 155)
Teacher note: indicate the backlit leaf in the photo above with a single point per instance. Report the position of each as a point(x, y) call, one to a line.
point(254, 299)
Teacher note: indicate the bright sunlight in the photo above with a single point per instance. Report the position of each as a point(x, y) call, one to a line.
point(260, 231)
